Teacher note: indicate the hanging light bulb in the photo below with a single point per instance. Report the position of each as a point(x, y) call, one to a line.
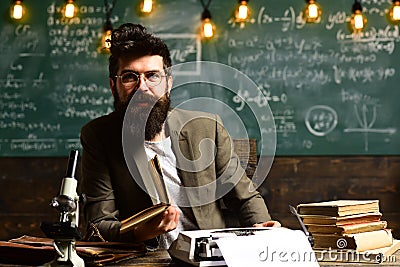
point(146, 6)
point(357, 20)
point(242, 12)
point(17, 10)
point(312, 12)
point(70, 9)
point(394, 11)
point(207, 26)
point(105, 41)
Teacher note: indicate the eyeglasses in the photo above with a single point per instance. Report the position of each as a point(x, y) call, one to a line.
point(131, 79)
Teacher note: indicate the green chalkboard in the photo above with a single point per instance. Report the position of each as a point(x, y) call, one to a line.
point(330, 92)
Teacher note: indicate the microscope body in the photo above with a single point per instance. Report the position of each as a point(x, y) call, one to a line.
point(65, 232)
point(67, 201)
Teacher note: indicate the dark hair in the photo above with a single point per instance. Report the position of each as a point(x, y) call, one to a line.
point(134, 40)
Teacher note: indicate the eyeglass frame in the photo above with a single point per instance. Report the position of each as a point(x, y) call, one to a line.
point(167, 74)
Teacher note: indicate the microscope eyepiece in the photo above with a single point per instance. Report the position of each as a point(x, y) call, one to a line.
point(72, 162)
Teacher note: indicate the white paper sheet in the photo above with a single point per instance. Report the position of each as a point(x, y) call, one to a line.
point(273, 248)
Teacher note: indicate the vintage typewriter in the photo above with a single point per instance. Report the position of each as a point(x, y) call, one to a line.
point(199, 247)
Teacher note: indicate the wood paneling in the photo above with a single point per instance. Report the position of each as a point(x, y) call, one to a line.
point(27, 186)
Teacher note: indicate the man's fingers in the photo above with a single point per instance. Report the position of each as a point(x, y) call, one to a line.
point(170, 220)
point(268, 224)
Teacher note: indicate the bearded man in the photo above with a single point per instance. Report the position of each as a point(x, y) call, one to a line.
point(114, 164)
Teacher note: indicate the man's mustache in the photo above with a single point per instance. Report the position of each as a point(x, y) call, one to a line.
point(139, 97)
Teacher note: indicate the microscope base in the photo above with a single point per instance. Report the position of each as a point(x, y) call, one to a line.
point(67, 255)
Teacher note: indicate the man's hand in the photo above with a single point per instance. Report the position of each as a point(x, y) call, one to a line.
point(160, 225)
point(268, 224)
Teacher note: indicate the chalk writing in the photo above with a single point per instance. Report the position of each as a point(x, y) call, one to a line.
point(31, 126)
point(8, 96)
point(72, 112)
point(90, 88)
point(284, 122)
point(321, 120)
point(76, 36)
point(11, 82)
point(366, 118)
point(12, 115)
point(326, 87)
point(72, 144)
point(185, 47)
point(261, 99)
point(72, 99)
point(289, 20)
point(18, 105)
point(33, 145)
point(40, 83)
point(358, 98)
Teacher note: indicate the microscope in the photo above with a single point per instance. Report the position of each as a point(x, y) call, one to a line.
point(66, 231)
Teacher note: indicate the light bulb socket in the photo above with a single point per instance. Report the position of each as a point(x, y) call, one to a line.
point(396, 1)
point(241, 1)
point(309, 1)
point(107, 26)
point(206, 14)
point(356, 7)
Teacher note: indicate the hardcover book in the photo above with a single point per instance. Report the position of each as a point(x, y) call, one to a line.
point(143, 217)
point(351, 228)
point(341, 220)
point(155, 210)
point(360, 242)
point(339, 207)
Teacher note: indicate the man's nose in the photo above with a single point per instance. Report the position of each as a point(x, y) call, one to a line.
point(142, 83)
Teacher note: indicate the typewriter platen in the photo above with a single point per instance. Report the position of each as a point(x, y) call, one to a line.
point(199, 247)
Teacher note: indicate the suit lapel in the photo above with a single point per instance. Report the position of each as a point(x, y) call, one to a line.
point(184, 156)
point(182, 148)
point(136, 159)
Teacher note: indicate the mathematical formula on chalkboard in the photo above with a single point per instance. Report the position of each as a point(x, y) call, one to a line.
point(330, 92)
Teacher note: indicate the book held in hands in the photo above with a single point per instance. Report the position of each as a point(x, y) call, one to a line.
point(163, 198)
point(143, 217)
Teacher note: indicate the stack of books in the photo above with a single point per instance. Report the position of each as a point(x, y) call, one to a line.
point(346, 225)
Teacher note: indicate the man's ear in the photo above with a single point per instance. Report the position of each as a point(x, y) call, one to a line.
point(113, 87)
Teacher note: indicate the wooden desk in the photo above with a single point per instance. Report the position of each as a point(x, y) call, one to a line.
point(25, 254)
point(161, 258)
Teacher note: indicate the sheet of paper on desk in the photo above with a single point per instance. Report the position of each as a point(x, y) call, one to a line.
point(274, 248)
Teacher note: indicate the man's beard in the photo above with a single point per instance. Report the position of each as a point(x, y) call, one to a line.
point(145, 110)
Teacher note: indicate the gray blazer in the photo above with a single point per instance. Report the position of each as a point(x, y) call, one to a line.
point(113, 195)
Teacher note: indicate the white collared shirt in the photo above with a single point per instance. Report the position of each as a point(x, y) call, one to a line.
point(167, 160)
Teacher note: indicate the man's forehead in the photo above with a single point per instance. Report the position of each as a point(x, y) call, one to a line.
point(153, 61)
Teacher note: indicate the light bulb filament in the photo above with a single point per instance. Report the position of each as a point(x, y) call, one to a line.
point(17, 10)
point(313, 11)
point(395, 11)
point(69, 10)
point(208, 29)
point(147, 6)
point(243, 12)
